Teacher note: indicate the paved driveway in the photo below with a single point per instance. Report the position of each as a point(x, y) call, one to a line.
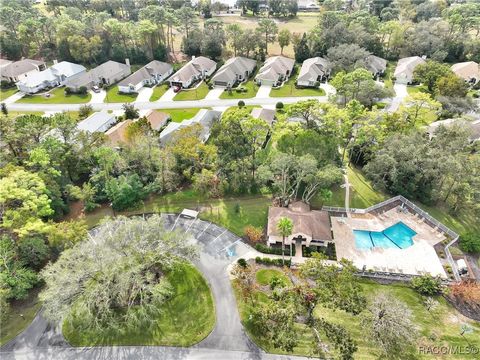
point(214, 93)
point(400, 94)
point(264, 91)
point(144, 94)
point(97, 97)
point(168, 96)
point(11, 99)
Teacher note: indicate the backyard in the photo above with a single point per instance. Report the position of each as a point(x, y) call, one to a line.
point(57, 96)
point(197, 93)
point(114, 96)
point(158, 92)
point(251, 87)
point(439, 326)
point(289, 89)
point(188, 317)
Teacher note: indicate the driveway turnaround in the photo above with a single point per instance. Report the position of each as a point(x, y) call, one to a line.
point(228, 340)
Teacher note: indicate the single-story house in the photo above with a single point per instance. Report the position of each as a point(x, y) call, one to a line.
point(151, 74)
point(17, 70)
point(55, 75)
point(470, 71)
point(97, 122)
point(310, 227)
point(116, 134)
point(107, 73)
point(265, 114)
point(275, 70)
point(196, 69)
point(404, 71)
point(473, 125)
point(235, 70)
point(157, 119)
point(376, 65)
point(308, 5)
point(204, 117)
point(313, 71)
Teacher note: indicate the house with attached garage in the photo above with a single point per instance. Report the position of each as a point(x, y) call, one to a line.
point(376, 65)
point(151, 74)
point(55, 75)
point(235, 70)
point(313, 71)
point(275, 70)
point(469, 71)
point(97, 122)
point(16, 71)
point(107, 73)
point(199, 68)
point(404, 71)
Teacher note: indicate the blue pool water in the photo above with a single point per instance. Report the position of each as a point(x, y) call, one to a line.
point(397, 236)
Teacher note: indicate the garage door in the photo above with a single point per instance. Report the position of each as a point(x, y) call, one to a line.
point(221, 83)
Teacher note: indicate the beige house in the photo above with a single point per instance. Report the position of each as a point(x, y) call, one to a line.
point(235, 70)
point(469, 71)
point(313, 71)
point(19, 70)
point(275, 71)
point(117, 133)
point(107, 73)
point(376, 65)
point(404, 71)
point(151, 74)
point(196, 69)
point(310, 227)
point(157, 119)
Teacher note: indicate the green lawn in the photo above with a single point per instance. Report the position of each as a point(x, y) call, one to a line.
point(188, 317)
point(57, 96)
point(440, 326)
point(178, 115)
point(13, 114)
point(288, 89)
point(253, 210)
point(264, 276)
point(113, 96)
point(6, 93)
point(19, 316)
point(251, 87)
point(158, 92)
point(197, 93)
point(413, 89)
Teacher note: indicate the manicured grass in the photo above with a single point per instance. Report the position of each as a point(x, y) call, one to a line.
point(251, 87)
point(113, 96)
point(188, 317)
point(413, 89)
point(57, 96)
point(158, 92)
point(437, 327)
point(19, 316)
point(178, 115)
point(264, 276)
point(6, 93)
point(288, 89)
point(197, 93)
point(14, 114)
point(253, 210)
point(362, 193)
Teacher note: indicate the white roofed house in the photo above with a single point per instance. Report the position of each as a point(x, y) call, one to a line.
point(275, 70)
point(199, 68)
point(97, 122)
point(235, 70)
point(404, 71)
point(313, 71)
point(107, 73)
point(469, 71)
point(151, 74)
point(55, 75)
point(15, 71)
point(376, 65)
point(205, 118)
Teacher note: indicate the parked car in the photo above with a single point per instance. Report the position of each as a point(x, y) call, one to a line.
point(176, 89)
point(96, 89)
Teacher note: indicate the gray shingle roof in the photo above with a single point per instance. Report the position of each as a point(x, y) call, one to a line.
point(313, 68)
point(375, 64)
point(152, 68)
point(192, 68)
point(274, 67)
point(233, 67)
point(106, 70)
point(20, 67)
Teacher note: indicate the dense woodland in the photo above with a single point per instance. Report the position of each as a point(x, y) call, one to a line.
point(46, 164)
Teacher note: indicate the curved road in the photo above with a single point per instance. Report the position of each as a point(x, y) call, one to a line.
point(227, 341)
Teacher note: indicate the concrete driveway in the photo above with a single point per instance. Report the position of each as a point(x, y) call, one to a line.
point(11, 99)
point(329, 89)
point(214, 93)
point(168, 96)
point(263, 92)
point(97, 97)
point(400, 94)
point(144, 94)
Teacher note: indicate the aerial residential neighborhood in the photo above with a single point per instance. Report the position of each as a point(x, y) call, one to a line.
point(236, 179)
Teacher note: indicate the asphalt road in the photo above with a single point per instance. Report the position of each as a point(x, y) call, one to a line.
point(227, 341)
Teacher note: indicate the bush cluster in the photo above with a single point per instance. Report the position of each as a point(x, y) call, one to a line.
point(274, 262)
point(274, 251)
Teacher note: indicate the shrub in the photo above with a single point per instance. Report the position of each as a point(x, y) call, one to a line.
point(279, 105)
point(470, 242)
point(68, 91)
point(427, 285)
point(242, 262)
point(237, 208)
point(274, 262)
point(275, 282)
point(274, 251)
point(82, 90)
point(253, 234)
point(241, 103)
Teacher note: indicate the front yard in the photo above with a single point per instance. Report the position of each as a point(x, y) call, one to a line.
point(158, 92)
point(57, 96)
point(196, 93)
point(288, 89)
point(6, 93)
point(113, 96)
point(251, 87)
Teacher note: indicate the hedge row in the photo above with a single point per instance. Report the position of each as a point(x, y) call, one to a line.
point(275, 262)
point(274, 251)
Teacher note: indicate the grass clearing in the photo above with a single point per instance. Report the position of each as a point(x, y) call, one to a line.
point(57, 96)
point(6, 93)
point(158, 92)
point(251, 87)
point(19, 316)
point(197, 93)
point(178, 115)
point(188, 317)
point(362, 193)
point(289, 89)
point(264, 276)
point(414, 89)
point(114, 96)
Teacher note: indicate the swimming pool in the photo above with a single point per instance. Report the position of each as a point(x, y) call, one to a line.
point(397, 236)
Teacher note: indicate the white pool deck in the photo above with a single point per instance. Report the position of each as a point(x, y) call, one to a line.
point(417, 259)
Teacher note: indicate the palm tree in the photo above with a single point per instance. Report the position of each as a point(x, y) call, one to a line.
point(285, 227)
